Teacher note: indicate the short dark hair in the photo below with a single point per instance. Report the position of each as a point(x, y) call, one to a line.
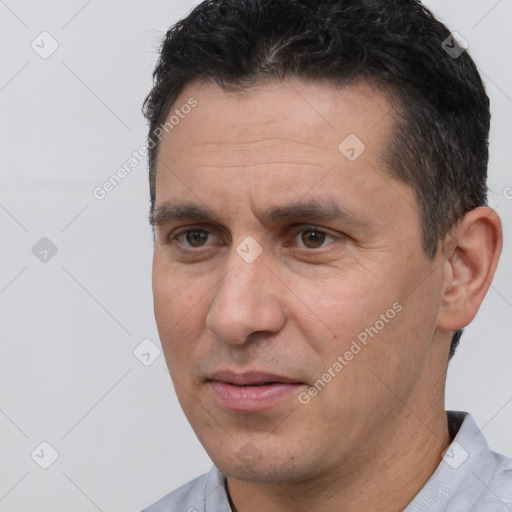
point(439, 146)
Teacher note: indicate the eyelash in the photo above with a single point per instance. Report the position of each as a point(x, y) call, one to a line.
point(172, 238)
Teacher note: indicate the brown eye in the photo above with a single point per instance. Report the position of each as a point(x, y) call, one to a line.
point(192, 238)
point(196, 238)
point(313, 238)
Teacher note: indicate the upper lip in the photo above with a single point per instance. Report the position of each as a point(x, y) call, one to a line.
point(250, 378)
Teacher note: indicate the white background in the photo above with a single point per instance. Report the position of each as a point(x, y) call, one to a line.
point(69, 326)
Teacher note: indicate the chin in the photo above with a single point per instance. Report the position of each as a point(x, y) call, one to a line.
point(253, 465)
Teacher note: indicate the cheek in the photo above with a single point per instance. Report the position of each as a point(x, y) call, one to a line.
point(333, 313)
point(174, 293)
point(179, 313)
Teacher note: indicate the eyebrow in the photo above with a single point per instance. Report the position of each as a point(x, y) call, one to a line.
point(312, 210)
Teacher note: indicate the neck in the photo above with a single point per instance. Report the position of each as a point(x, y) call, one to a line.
point(386, 475)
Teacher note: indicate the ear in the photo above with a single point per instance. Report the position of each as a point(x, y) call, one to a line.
point(470, 256)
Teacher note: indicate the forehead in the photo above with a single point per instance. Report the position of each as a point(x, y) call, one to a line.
point(311, 114)
point(282, 140)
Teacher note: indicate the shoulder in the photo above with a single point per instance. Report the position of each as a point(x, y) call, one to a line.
point(187, 498)
point(486, 475)
point(497, 491)
point(471, 477)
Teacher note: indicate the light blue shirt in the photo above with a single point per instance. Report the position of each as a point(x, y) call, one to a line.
point(470, 478)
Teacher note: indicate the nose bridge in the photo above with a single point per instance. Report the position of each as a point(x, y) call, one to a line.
point(244, 301)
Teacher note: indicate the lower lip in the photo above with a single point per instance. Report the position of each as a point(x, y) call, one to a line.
point(251, 398)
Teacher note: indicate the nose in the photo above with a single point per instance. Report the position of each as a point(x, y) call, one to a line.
point(247, 300)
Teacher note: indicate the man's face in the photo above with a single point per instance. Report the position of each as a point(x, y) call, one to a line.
point(295, 340)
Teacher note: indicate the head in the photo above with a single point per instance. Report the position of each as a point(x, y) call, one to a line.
point(331, 171)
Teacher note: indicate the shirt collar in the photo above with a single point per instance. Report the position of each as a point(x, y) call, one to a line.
point(216, 495)
point(464, 472)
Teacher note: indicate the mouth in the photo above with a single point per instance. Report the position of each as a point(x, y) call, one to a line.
point(250, 378)
point(251, 391)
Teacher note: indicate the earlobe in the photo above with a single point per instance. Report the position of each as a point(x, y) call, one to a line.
point(471, 253)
